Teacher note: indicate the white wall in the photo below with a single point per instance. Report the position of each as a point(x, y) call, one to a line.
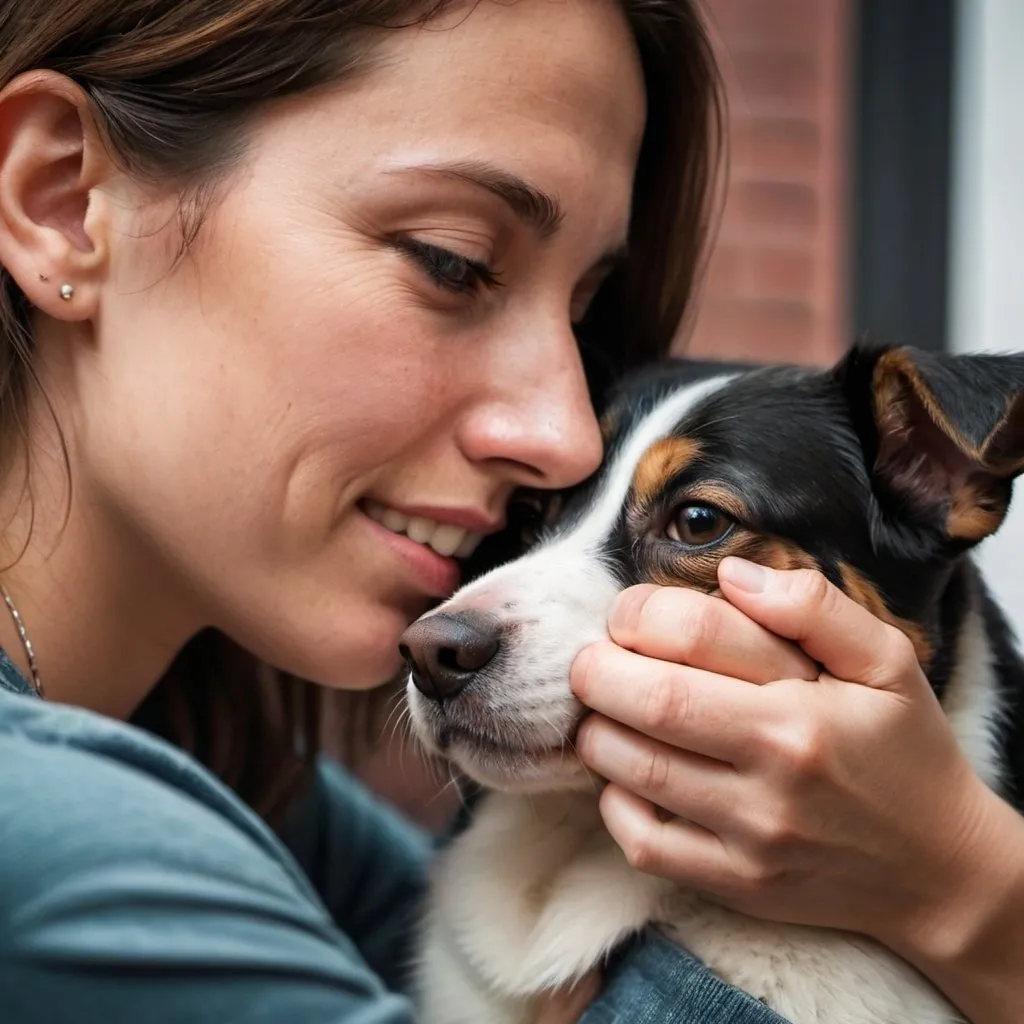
point(987, 294)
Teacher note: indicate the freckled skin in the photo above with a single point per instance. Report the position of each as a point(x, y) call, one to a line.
point(330, 337)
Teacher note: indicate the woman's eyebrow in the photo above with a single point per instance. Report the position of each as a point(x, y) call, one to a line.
point(530, 204)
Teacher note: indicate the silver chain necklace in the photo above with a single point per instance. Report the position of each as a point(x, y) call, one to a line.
point(30, 654)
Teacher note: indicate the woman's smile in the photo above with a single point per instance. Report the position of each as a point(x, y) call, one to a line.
point(430, 548)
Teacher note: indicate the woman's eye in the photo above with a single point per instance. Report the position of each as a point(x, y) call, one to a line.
point(698, 525)
point(447, 269)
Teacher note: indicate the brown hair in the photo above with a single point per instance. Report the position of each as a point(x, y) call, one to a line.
point(173, 86)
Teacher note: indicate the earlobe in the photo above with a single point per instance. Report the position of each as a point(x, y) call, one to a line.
point(52, 241)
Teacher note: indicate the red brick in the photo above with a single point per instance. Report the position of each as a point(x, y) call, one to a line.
point(769, 23)
point(776, 287)
point(780, 148)
point(782, 209)
point(725, 270)
point(755, 330)
point(775, 83)
point(776, 273)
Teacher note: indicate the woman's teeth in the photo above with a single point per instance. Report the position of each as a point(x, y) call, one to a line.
point(448, 541)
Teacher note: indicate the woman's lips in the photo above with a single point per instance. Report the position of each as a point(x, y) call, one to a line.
point(436, 575)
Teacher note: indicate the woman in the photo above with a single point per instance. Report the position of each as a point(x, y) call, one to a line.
point(265, 262)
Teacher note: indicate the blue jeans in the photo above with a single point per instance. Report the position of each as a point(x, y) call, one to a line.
point(656, 982)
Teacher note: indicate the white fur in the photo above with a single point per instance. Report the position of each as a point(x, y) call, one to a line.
point(522, 905)
point(972, 701)
point(535, 893)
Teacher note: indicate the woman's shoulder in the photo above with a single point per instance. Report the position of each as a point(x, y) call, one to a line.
point(133, 886)
point(80, 792)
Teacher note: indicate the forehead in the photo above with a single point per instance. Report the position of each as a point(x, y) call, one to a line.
point(555, 91)
point(559, 57)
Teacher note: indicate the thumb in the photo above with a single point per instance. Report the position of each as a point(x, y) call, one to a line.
point(845, 638)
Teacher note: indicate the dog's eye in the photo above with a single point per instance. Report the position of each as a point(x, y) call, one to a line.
point(698, 525)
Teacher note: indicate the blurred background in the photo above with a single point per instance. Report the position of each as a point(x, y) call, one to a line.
point(876, 188)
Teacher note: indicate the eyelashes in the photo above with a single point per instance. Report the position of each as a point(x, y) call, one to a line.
point(448, 270)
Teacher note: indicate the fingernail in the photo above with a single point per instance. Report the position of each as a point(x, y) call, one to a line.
point(743, 575)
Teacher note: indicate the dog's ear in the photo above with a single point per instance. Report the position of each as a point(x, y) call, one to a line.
point(948, 436)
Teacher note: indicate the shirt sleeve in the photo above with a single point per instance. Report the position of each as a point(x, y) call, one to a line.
point(368, 864)
point(124, 899)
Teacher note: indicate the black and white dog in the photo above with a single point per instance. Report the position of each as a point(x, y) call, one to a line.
point(882, 473)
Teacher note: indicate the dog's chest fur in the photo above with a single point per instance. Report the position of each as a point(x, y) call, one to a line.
point(510, 920)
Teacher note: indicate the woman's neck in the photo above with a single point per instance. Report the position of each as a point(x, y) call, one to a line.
point(100, 610)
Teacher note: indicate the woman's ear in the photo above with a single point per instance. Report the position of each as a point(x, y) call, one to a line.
point(53, 227)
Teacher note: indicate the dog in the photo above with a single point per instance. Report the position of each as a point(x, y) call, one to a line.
point(882, 472)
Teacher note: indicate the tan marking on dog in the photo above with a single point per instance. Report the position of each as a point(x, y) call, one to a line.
point(609, 423)
point(698, 569)
point(718, 497)
point(662, 461)
point(866, 594)
point(974, 515)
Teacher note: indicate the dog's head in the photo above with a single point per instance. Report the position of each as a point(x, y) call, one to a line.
point(880, 473)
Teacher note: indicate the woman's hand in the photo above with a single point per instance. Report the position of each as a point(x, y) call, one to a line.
point(816, 781)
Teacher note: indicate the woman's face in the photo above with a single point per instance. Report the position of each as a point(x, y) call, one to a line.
point(373, 333)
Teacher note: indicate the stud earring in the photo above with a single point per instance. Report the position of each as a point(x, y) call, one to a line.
point(67, 291)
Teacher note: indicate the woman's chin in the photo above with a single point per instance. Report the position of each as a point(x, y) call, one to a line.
point(359, 655)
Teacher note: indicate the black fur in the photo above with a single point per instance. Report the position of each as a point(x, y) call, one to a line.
point(815, 462)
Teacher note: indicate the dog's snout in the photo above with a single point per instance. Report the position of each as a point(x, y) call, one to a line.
point(444, 651)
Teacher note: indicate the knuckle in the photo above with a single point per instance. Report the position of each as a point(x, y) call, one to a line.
point(902, 657)
point(641, 851)
point(800, 750)
point(697, 631)
point(773, 835)
point(665, 705)
point(757, 874)
point(812, 591)
point(652, 772)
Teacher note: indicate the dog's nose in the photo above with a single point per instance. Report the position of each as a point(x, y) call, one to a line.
point(445, 651)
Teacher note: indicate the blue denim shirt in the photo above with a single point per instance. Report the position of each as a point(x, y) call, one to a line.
point(656, 982)
point(136, 889)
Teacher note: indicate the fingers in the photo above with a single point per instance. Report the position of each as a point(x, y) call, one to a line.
point(834, 630)
point(691, 628)
point(708, 714)
point(567, 1005)
point(702, 790)
point(679, 850)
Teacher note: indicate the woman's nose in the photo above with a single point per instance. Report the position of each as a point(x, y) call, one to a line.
point(540, 425)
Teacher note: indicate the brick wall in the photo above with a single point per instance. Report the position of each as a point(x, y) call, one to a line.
point(776, 285)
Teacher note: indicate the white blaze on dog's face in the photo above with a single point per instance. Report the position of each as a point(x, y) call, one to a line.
point(509, 724)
